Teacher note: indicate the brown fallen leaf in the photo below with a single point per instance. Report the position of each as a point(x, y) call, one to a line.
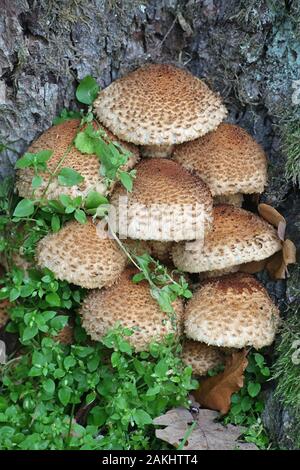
point(270, 214)
point(215, 392)
point(207, 434)
point(289, 252)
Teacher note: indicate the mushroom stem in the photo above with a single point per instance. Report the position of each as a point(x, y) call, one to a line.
point(157, 151)
point(232, 199)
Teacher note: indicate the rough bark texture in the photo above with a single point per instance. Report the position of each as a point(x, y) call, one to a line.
point(247, 50)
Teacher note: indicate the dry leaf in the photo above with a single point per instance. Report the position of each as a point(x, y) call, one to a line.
point(281, 230)
point(270, 214)
point(278, 263)
point(289, 252)
point(215, 392)
point(206, 435)
point(185, 26)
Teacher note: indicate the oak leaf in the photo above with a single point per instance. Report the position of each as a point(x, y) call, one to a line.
point(215, 392)
point(200, 432)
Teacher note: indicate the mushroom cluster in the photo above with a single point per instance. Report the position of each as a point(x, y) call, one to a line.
point(185, 208)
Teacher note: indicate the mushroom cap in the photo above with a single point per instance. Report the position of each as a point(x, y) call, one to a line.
point(66, 335)
point(237, 237)
point(158, 105)
point(80, 256)
point(132, 306)
point(58, 138)
point(232, 311)
point(228, 159)
point(4, 317)
point(167, 203)
point(201, 357)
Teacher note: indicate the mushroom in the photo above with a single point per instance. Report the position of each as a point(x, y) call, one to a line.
point(232, 199)
point(132, 306)
point(59, 139)
point(229, 160)
point(157, 106)
point(167, 203)
point(66, 335)
point(201, 357)
point(4, 317)
point(237, 237)
point(79, 255)
point(233, 311)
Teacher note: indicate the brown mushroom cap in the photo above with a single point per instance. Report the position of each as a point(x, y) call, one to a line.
point(237, 237)
point(201, 357)
point(159, 105)
point(167, 203)
point(58, 138)
point(232, 311)
point(4, 317)
point(133, 307)
point(228, 159)
point(80, 256)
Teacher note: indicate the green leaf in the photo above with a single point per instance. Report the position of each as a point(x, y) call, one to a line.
point(253, 389)
point(66, 115)
point(259, 359)
point(161, 368)
point(43, 155)
point(25, 161)
point(58, 322)
point(24, 208)
point(55, 223)
point(126, 180)
point(84, 143)
point(29, 332)
point(94, 199)
point(138, 278)
point(49, 386)
point(69, 177)
point(141, 417)
point(87, 90)
point(80, 216)
point(14, 294)
point(36, 182)
point(64, 395)
point(53, 299)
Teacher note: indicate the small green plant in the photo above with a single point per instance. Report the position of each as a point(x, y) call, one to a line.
point(44, 392)
point(248, 403)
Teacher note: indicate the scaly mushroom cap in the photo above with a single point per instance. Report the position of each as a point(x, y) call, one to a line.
point(237, 237)
point(132, 306)
point(232, 311)
point(201, 357)
point(228, 159)
point(167, 203)
point(80, 256)
point(66, 335)
point(4, 305)
point(58, 138)
point(159, 105)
